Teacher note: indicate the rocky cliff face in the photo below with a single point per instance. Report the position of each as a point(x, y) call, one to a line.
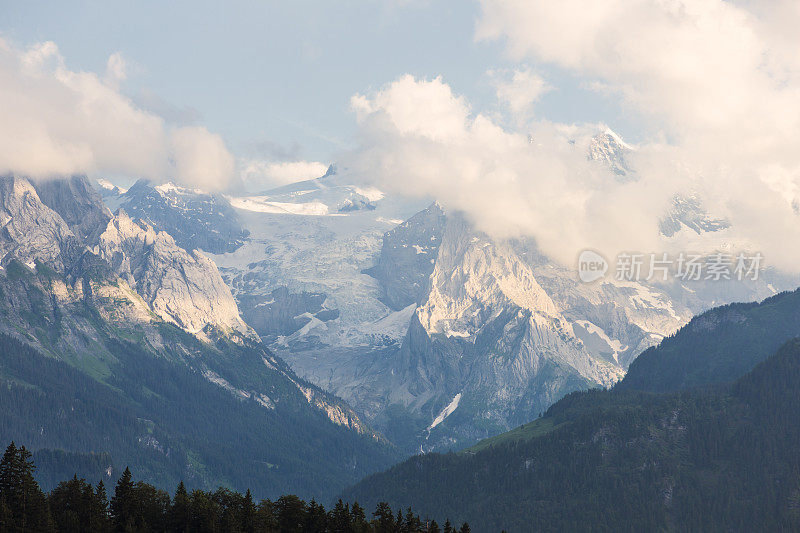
point(80, 284)
point(488, 347)
point(610, 150)
point(407, 257)
point(179, 286)
point(78, 204)
point(30, 230)
point(195, 219)
point(64, 225)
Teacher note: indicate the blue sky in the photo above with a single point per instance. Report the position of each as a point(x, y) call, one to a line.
point(274, 79)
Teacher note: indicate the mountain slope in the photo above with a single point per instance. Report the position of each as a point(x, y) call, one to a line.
point(722, 459)
point(717, 346)
point(172, 423)
point(195, 219)
point(437, 333)
point(153, 329)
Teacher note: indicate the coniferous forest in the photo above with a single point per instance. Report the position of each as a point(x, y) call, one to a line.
point(723, 457)
point(77, 506)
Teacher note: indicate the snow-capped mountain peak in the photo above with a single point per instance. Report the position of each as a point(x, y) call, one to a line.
point(474, 279)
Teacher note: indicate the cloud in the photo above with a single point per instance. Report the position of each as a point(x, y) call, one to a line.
point(257, 174)
point(154, 103)
point(518, 89)
point(201, 158)
point(716, 82)
point(56, 121)
point(116, 68)
point(415, 108)
point(417, 137)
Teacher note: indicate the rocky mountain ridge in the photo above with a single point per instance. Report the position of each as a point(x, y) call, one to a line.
point(73, 289)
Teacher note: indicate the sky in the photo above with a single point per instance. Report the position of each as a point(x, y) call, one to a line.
point(488, 106)
point(274, 78)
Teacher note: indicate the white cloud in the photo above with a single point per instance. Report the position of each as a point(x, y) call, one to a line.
point(547, 188)
point(414, 108)
point(721, 79)
point(718, 80)
point(508, 186)
point(56, 121)
point(116, 68)
point(519, 89)
point(201, 158)
point(257, 174)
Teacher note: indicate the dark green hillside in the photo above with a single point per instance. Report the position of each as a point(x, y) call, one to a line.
point(74, 505)
point(717, 346)
point(718, 459)
point(170, 423)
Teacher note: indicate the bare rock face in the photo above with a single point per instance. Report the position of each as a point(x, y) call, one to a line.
point(64, 225)
point(610, 150)
point(488, 345)
point(180, 287)
point(195, 219)
point(78, 204)
point(30, 230)
point(407, 257)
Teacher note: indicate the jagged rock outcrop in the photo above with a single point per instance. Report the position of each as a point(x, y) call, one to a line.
point(194, 218)
point(488, 347)
point(179, 286)
point(78, 204)
point(64, 225)
point(609, 149)
point(688, 212)
point(407, 256)
point(30, 230)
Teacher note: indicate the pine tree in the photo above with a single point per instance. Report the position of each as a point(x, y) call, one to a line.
point(413, 523)
point(9, 477)
point(358, 519)
point(100, 518)
point(464, 528)
point(265, 519)
point(448, 527)
point(25, 501)
point(69, 505)
point(290, 511)
point(384, 519)
point(316, 518)
point(248, 513)
point(123, 504)
point(433, 527)
point(340, 518)
point(179, 519)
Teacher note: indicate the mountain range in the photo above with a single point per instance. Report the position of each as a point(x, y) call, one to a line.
point(319, 315)
point(436, 333)
point(118, 341)
point(715, 449)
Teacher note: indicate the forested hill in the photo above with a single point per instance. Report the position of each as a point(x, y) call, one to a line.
point(717, 346)
point(78, 506)
point(720, 458)
point(170, 423)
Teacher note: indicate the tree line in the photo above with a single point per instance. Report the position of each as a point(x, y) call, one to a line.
point(76, 506)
